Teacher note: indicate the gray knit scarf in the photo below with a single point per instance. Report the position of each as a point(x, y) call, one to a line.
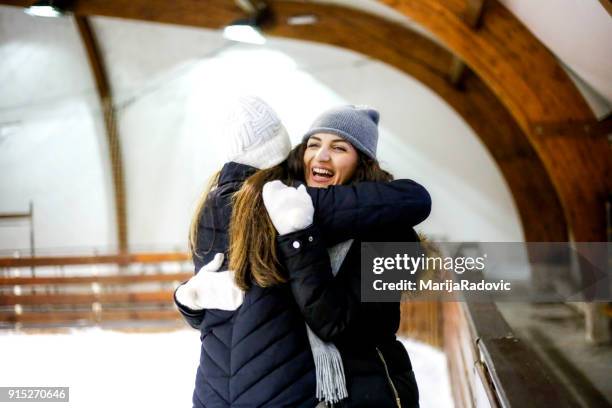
point(331, 382)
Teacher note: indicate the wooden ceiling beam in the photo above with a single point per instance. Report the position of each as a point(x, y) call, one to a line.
point(473, 11)
point(209, 13)
point(16, 3)
point(94, 58)
point(96, 64)
point(457, 72)
point(607, 4)
point(579, 129)
point(213, 14)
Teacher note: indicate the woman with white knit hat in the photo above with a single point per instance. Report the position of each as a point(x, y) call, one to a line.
point(255, 351)
point(252, 137)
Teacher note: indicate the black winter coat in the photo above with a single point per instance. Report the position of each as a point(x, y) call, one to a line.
point(377, 367)
point(259, 355)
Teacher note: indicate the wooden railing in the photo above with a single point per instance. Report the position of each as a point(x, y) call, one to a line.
point(119, 259)
point(103, 279)
point(490, 367)
point(68, 300)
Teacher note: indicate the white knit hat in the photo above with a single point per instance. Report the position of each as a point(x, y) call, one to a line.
point(253, 134)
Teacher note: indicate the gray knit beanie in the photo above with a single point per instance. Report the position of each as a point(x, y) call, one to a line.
point(357, 124)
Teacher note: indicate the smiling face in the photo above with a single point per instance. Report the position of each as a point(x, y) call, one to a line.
point(329, 160)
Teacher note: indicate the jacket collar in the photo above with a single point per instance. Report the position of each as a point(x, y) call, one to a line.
point(233, 171)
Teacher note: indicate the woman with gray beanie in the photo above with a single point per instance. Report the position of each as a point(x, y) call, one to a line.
point(359, 362)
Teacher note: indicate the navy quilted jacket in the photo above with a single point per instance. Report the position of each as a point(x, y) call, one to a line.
point(259, 354)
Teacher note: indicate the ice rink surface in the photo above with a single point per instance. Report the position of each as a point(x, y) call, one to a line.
point(106, 368)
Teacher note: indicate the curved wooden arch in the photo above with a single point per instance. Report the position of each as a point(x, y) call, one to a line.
point(528, 80)
point(508, 134)
point(90, 43)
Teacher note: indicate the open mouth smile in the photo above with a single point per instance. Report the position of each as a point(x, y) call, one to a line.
point(321, 175)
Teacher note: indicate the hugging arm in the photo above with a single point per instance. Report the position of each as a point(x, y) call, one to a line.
point(364, 209)
point(331, 305)
point(193, 317)
point(326, 305)
point(208, 289)
point(359, 211)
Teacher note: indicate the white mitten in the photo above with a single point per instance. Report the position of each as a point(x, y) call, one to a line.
point(290, 208)
point(210, 289)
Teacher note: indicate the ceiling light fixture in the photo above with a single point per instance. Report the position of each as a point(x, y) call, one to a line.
point(302, 19)
point(248, 30)
point(47, 8)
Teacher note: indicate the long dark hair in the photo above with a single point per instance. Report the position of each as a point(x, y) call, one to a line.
point(252, 255)
point(195, 219)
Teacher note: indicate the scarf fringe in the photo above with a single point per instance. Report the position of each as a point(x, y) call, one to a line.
point(331, 384)
point(331, 381)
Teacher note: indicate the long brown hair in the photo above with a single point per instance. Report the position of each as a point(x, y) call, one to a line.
point(195, 220)
point(252, 255)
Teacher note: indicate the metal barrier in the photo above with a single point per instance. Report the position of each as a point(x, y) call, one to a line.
point(490, 367)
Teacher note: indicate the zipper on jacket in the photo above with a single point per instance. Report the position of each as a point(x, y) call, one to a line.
point(397, 398)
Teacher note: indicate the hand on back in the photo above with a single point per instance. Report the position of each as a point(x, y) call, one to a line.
point(211, 288)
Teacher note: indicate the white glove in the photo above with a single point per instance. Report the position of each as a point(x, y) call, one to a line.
point(289, 208)
point(210, 289)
